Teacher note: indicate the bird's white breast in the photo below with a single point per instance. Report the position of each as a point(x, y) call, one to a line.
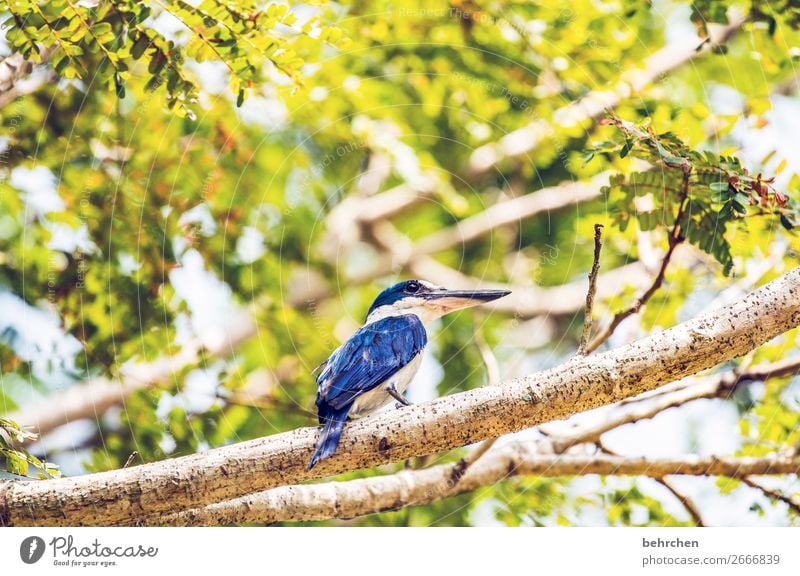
point(378, 397)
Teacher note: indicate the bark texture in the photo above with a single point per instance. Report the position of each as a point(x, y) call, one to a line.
point(419, 487)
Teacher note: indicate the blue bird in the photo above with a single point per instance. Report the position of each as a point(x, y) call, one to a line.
point(379, 361)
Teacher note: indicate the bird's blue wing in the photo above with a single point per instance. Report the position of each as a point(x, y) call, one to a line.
point(370, 357)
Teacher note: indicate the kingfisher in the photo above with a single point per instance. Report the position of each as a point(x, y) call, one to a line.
point(379, 361)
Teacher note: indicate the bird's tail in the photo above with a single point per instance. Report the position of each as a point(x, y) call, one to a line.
point(329, 439)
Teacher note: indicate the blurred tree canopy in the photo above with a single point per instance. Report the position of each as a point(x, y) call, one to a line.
point(170, 169)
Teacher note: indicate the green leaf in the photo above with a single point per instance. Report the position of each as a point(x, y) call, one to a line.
point(139, 47)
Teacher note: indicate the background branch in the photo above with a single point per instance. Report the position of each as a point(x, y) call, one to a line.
point(775, 495)
point(15, 76)
point(526, 140)
point(93, 398)
point(418, 487)
point(687, 502)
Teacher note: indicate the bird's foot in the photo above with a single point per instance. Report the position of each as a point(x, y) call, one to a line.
point(397, 396)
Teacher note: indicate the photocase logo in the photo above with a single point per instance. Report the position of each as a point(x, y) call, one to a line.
point(31, 550)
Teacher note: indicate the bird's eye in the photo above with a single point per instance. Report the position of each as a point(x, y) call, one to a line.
point(413, 287)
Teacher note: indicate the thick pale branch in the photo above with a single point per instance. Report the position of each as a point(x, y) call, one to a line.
point(262, 507)
point(418, 487)
point(584, 383)
point(14, 74)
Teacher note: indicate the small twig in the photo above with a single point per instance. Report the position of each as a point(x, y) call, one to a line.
point(666, 483)
point(112, 59)
point(687, 502)
point(636, 306)
point(489, 359)
point(587, 315)
point(675, 238)
point(775, 495)
point(129, 461)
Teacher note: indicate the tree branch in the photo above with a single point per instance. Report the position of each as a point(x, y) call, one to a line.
point(705, 388)
point(347, 221)
point(419, 487)
point(524, 301)
point(405, 254)
point(94, 397)
point(118, 496)
point(14, 70)
point(264, 505)
point(587, 314)
point(775, 495)
point(513, 211)
point(399, 253)
point(690, 506)
point(589, 108)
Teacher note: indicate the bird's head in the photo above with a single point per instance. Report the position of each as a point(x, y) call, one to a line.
point(426, 300)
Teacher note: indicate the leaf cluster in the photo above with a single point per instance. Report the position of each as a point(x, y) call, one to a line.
point(18, 460)
point(700, 194)
point(101, 43)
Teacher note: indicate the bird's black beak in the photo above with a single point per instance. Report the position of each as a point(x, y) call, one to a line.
point(456, 299)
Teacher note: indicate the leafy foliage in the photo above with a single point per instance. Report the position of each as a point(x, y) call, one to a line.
point(102, 42)
point(18, 460)
point(785, 12)
point(699, 193)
